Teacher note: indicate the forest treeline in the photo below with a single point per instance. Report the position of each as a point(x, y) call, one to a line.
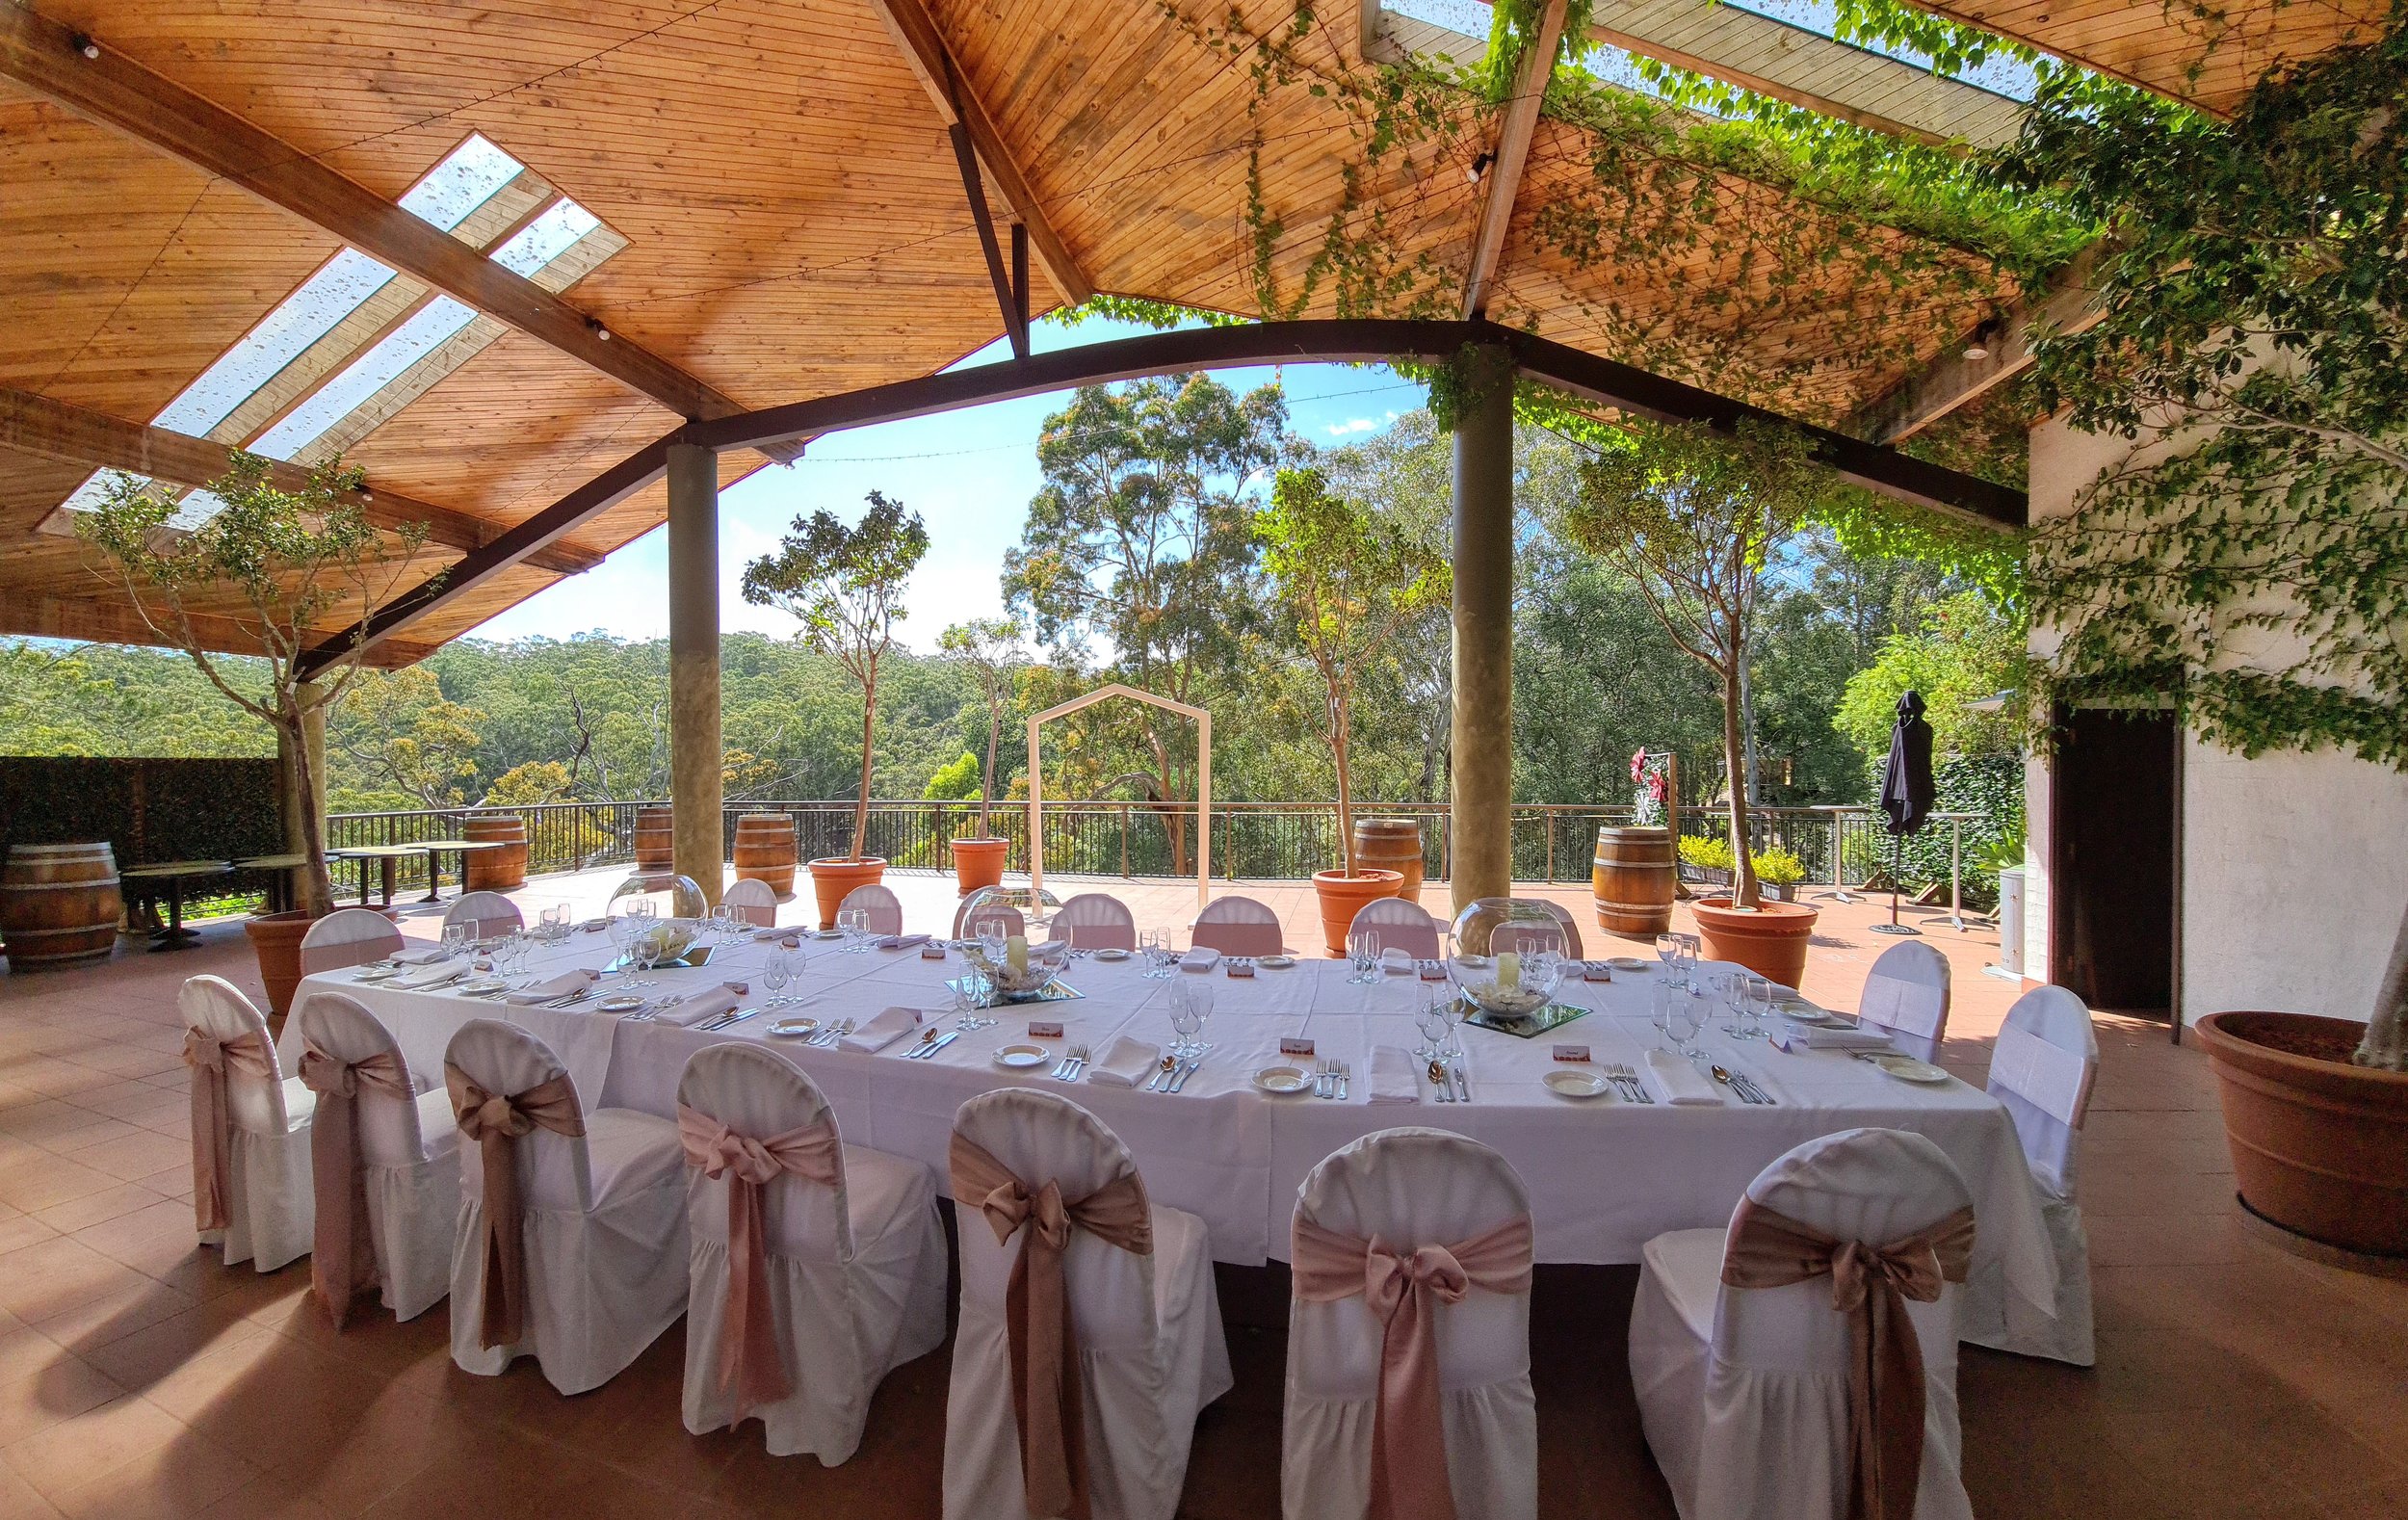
point(1138, 563)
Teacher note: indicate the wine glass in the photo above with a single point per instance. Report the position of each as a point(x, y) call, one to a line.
point(623, 928)
point(1200, 995)
point(1184, 1022)
point(1683, 1017)
point(1668, 951)
point(776, 974)
point(1430, 1020)
point(1363, 944)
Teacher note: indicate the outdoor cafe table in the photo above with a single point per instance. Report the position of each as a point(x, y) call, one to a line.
point(437, 849)
point(387, 859)
point(1604, 1175)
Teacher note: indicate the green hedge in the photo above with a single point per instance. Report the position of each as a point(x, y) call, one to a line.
point(147, 810)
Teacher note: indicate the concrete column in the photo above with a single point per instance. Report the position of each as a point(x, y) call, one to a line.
point(694, 665)
point(1483, 838)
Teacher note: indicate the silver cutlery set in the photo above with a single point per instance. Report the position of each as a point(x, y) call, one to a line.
point(1072, 1063)
point(1743, 1084)
point(1172, 1074)
point(931, 1042)
point(1330, 1078)
point(1626, 1083)
point(1451, 1084)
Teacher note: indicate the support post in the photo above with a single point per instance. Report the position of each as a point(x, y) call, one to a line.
point(1481, 823)
point(693, 667)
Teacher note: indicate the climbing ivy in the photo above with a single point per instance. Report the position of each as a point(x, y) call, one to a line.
point(2248, 560)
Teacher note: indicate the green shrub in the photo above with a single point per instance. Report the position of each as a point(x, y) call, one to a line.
point(1780, 867)
point(1706, 852)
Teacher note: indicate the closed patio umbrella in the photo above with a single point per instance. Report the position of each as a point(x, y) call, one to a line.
point(1907, 792)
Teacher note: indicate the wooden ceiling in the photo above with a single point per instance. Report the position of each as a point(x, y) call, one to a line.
point(795, 222)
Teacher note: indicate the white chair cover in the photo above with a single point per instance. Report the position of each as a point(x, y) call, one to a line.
point(1411, 1188)
point(1096, 921)
point(404, 1154)
point(605, 1226)
point(753, 902)
point(1400, 925)
point(487, 914)
point(2041, 1069)
point(1744, 1391)
point(271, 1205)
point(1907, 993)
point(1152, 1353)
point(1237, 926)
point(998, 918)
point(349, 937)
point(885, 907)
point(856, 1271)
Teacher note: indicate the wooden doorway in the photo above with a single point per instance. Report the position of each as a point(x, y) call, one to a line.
point(2115, 866)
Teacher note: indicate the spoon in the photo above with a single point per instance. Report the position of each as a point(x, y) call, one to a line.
point(1724, 1078)
point(1170, 1063)
point(1438, 1079)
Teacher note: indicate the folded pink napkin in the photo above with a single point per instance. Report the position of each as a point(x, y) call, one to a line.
point(901, 941)
point(882, 1030)
point(698, 1007)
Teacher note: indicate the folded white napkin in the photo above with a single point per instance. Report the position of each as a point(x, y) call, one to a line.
point(1394, 962)
point(698, 1007)
point(421, 955)
point(434, 974)
point(551, 988)
point(1126, 1063)
point(1391, 1078)
point(882, 1030)
point(1203, 957)
point(1676, 1081)
point(1789, 1034)
point(901, 941)
point(1049, 950)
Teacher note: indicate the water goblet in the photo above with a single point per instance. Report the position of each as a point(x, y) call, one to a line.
point(1684, 1017)
point(776, 974)
point(1183, 1021)
point(1668, 951)
point(1363, 944)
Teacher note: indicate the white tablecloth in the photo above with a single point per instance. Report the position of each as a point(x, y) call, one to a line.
point(1605, 1176)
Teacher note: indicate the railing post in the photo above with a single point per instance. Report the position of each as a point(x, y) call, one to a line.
point(1551, 843)
point(1124, 839)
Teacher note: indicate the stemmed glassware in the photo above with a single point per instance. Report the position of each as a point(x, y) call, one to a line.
point(1363, 944)
point(854, 924)
point(1160, 958)
point(1431, 1019)
point(1684, 1017)
point(776, 974)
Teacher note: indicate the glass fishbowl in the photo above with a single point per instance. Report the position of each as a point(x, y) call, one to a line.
point(1000, 912)
point(654, 919)
point(1508, 956)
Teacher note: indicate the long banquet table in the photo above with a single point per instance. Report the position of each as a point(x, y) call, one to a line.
point(1604, 1175)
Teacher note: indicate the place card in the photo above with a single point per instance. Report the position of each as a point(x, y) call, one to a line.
point(1044, 1029)
point(932, 951)
point(740, 988)
point(1571, 1053)
point(1431, 970)
point(1289, 1046)
point(1596, 971)
point(1241, 966)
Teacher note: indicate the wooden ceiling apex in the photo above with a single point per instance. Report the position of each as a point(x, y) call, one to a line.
point(1512, 150)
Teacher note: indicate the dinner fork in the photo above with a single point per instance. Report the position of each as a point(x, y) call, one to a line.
point(827, 1038)
point(1345, 1072)
point(1321, 1074)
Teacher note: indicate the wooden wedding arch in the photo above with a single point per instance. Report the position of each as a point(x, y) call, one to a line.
point(1203, 780)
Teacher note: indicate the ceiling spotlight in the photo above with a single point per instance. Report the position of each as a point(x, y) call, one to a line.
point(594, 325)
point(1479, 166)
point(84, 44)
point(1978, 347)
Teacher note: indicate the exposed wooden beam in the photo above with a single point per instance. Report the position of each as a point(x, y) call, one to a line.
point(59, 431)
point(974, 190)
point(1501, 183)
point(924, 48)
point(94, 620)
point(106, 87)
point(1955, 380)
point(516, 546)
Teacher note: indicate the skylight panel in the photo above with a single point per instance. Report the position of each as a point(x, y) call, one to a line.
point(338, 289)
point(546, 238)
point(422, 334)
point(466, 179)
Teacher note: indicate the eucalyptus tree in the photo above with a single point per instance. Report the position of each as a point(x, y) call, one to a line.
point(844, 585)
point(989, 648)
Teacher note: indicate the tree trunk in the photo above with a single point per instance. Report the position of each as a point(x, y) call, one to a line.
point(987, 786)
point(314, 883)
point(2386, 1045)
point(869, 758)
point(1340, 739)
point(1745, 892)
point(1747, 733)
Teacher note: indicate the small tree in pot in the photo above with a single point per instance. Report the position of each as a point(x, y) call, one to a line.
point(990, 649)
point(1695, 518)
point(274, 567)
point(845, 587)
point(1346, 583)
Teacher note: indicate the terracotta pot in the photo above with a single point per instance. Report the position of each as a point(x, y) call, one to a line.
point(2319, 1147)
point(979, 862)
point(1343, 896)
point(276, 938)
point(1770, 942)
point(832, 877)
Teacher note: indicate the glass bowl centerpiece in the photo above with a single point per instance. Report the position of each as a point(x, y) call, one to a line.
point(655, 919)
point(1002, 930)
point(1508, 956)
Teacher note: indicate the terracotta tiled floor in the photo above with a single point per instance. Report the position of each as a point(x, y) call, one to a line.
point(137, 1378)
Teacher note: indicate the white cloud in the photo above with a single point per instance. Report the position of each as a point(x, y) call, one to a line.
point(1353, 425)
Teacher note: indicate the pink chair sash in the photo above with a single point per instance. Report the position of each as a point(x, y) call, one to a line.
point(495, 1122)
point(1871, 1285)
point(1046, 1401)
point(1409, 1438)
point(749, 1358)
point(342, 1255)
point(210, 1057)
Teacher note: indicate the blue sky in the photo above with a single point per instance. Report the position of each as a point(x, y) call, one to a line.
point(969, 474)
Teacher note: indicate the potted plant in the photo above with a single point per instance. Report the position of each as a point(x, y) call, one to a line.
point(1780, 870)
point(1705, 862)
point(989, 648)
point(1695, 518)
point(845, 587)
point(295, 562)
point(1345, 581)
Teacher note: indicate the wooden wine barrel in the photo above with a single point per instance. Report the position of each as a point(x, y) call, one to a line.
point(1391, 844)
point(765, 852)
point(656, 840)
point(503, 870)
point(58, 905)
point(1631, 880)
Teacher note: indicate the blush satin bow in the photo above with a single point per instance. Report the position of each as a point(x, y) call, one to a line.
point(342, 1254)
point(1869, 1284)
point(211, 1059)
point(1402, 1291)
point(495, 1122)
point(1045, 1394)
point(749, 1359)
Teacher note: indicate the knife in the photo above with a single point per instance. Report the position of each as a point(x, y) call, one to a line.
point(1463, 1086)
point(1185, 1072)
point(935, 1045)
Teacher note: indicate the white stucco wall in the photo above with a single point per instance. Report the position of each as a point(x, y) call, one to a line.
point(2294, 865)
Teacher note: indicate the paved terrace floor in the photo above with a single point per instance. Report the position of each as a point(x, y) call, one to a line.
point(137, 1378)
